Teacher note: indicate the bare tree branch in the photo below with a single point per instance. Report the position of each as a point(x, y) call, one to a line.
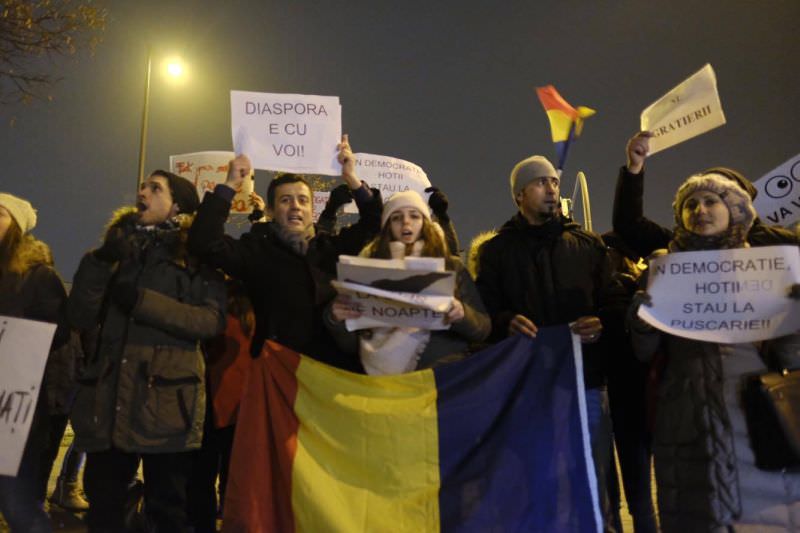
point(34, 29)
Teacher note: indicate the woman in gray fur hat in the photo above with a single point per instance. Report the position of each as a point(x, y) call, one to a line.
point(705, 468)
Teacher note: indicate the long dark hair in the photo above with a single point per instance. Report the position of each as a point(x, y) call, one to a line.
point(435, 245)
point(10, 260)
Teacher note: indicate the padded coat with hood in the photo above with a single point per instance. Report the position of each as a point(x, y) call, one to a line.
point(143, 388)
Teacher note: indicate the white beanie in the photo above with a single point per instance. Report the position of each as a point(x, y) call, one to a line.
point(735, 198)
point(21, 211)
point(529, 169)
point(407, 198)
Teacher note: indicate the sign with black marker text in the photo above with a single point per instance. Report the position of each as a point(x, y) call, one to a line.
point(778, 198)
point(727, 296)
point(24, 346)
point(287, 132)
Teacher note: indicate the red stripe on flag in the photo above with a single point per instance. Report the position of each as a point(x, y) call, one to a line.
point(264, 447)
point(552, 101)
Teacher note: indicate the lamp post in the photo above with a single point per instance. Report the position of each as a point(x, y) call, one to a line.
point(174, 69)
point(145, 113)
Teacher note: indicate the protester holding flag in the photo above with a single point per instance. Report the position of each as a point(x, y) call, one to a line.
point(407, 230)
point(285, 264)
point(29, 288)
point(142, 394)
point(542, 269)
point(705, 469)
point(645, 236)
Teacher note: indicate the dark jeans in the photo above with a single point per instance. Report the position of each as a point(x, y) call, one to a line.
point(108, 474)
point(626, 391)
point(18, 495)
point(208, 463)
point(58, 424)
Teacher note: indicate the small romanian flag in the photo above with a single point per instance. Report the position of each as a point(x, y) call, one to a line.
point(566, 122)
point(497, 442)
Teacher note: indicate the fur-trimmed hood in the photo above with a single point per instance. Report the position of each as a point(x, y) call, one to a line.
point(175, 238)
point(31, 253)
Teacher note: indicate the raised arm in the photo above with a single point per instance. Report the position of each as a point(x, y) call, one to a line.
point(640, 233)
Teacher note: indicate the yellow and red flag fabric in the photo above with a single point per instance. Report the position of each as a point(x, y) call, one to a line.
point(566, 122)
point(497, 442)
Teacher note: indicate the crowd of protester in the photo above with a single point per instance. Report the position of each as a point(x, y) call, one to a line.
point(154, 341)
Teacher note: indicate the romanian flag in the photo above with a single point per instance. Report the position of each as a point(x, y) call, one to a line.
point(566, 122)
point(497, 442)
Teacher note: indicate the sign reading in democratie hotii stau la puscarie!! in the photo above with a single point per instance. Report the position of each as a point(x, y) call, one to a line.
point(287, 132)
point(726, 296)
point(24, 346)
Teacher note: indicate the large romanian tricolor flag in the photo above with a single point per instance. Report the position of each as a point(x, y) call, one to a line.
point(497, 442)
point(566, 122)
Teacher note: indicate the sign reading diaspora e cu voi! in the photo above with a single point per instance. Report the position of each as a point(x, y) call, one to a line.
point(726, 296)
point(287, 132)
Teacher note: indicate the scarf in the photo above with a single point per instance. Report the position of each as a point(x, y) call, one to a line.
point(393, 350)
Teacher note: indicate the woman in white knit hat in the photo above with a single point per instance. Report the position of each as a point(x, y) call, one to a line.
point(706, 474)
point(407, 230)
point(31, 289)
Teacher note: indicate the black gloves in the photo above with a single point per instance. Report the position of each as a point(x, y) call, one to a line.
point(125, 295)
point(116, 245)
point(439, 204)
point(340, 195)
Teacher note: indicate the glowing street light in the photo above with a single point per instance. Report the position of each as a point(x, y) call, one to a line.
point(176, 71)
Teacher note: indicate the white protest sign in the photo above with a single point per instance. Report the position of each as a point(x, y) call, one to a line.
point(691, 108)
point(389, 175)
point(24, 346)
point(287, 132)
point(415, 292)
point(778, 198)
point(727, 296)
point(206, 170)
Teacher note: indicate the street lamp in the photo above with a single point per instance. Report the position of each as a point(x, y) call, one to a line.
point(175, 70)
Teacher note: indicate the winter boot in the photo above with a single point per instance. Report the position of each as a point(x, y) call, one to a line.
point(68, 495)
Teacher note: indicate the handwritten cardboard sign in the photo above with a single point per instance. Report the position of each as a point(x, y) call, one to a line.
point(208, 169)
point(727, 296)
point(24, 346)
point(287, 132)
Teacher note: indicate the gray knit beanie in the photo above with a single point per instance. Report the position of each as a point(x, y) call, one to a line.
point(529, 169)
point(20, 210)
point(736, 199)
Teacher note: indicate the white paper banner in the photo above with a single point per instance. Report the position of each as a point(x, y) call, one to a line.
point(691, 108)
point(24, 346)
point(287, 132)
point(727, 296)
point(389, 175)
point(206, 170)
point(415, 292)
point(778, 199)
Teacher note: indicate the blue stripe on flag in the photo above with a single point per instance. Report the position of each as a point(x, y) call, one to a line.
point(512, 452)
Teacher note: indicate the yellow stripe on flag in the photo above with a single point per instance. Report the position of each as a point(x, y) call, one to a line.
point(367, 452)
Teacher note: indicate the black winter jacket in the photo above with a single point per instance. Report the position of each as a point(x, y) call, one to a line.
point(551, 274)
point(288, 291)
point(645, 236)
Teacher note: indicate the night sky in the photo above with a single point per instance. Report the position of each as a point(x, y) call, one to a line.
point(446, 85)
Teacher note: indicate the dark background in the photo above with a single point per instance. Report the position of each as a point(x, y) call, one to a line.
point(446, 85)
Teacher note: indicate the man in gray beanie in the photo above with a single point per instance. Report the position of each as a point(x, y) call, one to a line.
point(542, 269)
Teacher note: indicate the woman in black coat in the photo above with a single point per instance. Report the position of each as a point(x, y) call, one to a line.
point(31, 289)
